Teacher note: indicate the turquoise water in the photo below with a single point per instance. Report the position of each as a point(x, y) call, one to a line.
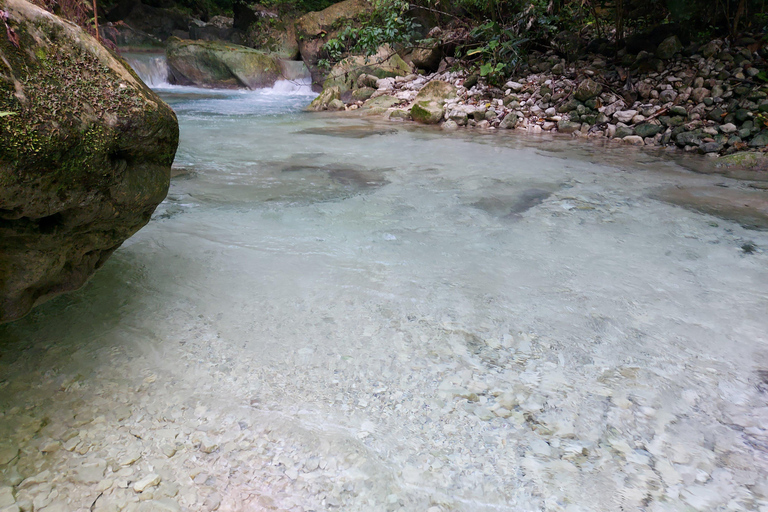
point(332, 313)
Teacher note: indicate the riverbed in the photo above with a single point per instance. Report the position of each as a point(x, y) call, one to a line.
point(335, 313)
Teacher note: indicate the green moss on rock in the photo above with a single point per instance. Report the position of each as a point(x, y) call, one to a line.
point(85, 157)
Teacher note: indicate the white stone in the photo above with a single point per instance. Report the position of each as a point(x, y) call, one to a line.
point(6, 497)
point(625, 116)
point(150, 480)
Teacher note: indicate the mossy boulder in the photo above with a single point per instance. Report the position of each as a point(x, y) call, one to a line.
point(437, 90)
point(385, 63)
point(324, 99)
point(427, 112)
point(221, 65)
point(85, 156)
point(380, 104)
point(314, 29)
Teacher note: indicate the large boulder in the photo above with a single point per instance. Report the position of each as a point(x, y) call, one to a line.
point(314, 29)
point(159, 22)
point(385, 63)
point(216, 64)
point(85, 156)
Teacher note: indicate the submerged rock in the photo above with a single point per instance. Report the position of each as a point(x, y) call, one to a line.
point(85, 156)
point(215, 64)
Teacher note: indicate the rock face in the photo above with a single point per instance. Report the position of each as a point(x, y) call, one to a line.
point(315, 28)
point(85, 156)
point(215, 64)
point(385, 63)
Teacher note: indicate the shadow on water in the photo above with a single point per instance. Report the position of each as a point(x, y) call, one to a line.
point(78, 320)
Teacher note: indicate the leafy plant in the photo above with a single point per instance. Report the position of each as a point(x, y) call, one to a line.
point(389, 23)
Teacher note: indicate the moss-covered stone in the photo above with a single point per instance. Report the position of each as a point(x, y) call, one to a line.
point(85, 156)
point(324, 99)
point(216, 64)
point(427, 112)
point(314, 29)
point(385, 63)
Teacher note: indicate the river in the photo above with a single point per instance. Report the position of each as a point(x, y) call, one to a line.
point(334, 313)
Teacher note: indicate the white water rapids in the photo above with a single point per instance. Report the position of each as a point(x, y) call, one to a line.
point(330, 313)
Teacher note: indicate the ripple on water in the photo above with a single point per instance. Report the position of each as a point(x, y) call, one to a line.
point(352, 323)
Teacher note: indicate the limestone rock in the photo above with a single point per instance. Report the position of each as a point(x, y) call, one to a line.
point(76, 184)
point(437, 91)
point(427, 54)
point(427, 112)
point(509, 121)
point(669, 47)
point(587, 90)
point(314, 29)
point(215, 64)
point(148, 481)
point(383, 64)
point(324, 99)
point(380, 104)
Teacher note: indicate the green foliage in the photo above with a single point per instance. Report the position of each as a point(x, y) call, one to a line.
point(495, 49)
point(387, 24)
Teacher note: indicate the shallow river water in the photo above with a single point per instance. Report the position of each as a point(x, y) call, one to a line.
point(329, 313)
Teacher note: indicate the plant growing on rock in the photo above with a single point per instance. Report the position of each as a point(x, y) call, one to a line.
point(388, 23)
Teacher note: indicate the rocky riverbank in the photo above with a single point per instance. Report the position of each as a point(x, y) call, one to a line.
point(710, 99)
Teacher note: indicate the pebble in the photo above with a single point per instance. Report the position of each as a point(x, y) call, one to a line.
point(148, 481)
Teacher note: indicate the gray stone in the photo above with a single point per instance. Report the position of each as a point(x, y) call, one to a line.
point(625, 116)
point(624, 131)
point(427, 112)
point(710, 147)
point(668, 96)
point(587, 89)
point(692, 138)
point(669, 47)
point(728, 128)
point(336, 104)
point(450, 126)
point(648, 129)
point(6, 497)
point(634, 140)
point(760, 140)
point(564, 126)
point(509, 121)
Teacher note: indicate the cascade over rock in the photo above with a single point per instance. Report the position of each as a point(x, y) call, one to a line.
point(216, 64)
point(85, 156)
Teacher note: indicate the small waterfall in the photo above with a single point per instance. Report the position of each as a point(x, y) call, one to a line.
point(151, 68)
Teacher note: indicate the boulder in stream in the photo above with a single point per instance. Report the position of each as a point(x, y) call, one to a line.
point(216, 64)
point(85, 156)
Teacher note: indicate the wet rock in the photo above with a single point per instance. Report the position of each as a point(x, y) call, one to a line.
point(363, 93)
point(380, 104)
point(509, 121)
point(450, 126)
point(76, 187)
point(587, 90)
point(427, 112)
point(648, 129)
point(324, 99)
point(710, 147)
point(221, 65)
point(565, 126)
point(634, 140)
